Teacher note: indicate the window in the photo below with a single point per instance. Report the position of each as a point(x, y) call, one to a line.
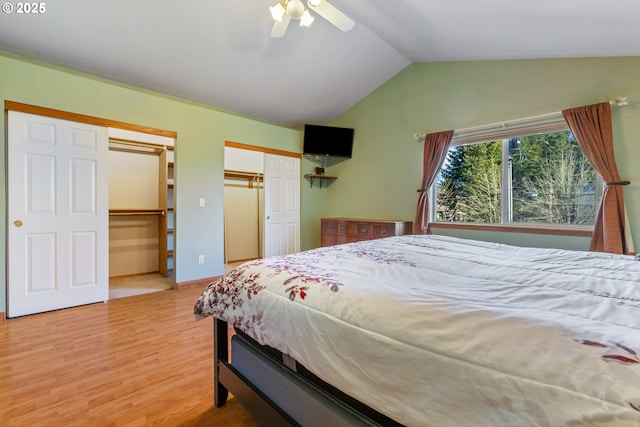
point(525, 177)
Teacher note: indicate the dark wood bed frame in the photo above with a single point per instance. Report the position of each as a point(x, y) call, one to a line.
point(228, 379)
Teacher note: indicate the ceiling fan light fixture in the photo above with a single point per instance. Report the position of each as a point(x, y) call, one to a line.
point(295, 9)
point(306, 19)
point(286, 10)
point(278, 11)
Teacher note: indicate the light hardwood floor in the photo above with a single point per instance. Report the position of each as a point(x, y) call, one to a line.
point(135, 361)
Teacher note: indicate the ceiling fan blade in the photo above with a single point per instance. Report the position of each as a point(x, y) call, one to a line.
point(280, 27)
point(333, 15)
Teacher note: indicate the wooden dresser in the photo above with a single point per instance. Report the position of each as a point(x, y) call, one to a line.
point(346, 230)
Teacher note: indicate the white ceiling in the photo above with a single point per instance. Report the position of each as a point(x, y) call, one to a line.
point(219, 53)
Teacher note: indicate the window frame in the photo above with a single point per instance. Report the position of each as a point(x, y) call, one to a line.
point(503, 131)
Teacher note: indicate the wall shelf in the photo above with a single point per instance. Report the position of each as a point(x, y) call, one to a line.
point(321, 178)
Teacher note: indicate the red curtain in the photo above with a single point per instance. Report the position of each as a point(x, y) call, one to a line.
point(436, 146)
point(591, 126)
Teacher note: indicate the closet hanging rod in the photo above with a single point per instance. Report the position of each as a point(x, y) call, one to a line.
point(135, 212)
point(135, 146)
point(243, 175)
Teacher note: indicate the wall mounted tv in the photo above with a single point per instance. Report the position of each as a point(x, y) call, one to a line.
point(327, 141)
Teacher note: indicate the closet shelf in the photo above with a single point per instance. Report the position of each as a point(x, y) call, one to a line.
point(134, 212)
point(230, 174)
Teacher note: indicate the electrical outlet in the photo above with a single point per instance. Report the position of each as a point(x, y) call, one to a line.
point(200, 259)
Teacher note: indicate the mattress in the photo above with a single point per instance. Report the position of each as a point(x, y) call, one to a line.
point(439, 331)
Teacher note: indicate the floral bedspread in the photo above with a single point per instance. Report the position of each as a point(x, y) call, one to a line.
point(455, 332)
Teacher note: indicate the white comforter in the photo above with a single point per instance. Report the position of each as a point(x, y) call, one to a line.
point(439, 331)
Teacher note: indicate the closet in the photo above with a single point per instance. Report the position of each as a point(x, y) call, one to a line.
point(243, 204)
point(261, 202)
point(141, 208)
point(88, 199)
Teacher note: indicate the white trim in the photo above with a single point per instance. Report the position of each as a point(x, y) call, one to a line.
point(547, 123)
point(512, 122)
point(140, 137)
point(506, 186)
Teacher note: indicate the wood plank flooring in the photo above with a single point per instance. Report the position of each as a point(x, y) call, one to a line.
point(136, 361)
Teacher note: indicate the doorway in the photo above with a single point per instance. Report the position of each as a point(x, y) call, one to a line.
point(243, 206)
point(141, 213)
point(262, 202)
point(64, 157)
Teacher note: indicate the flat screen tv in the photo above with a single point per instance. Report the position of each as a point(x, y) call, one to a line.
point(327, 141)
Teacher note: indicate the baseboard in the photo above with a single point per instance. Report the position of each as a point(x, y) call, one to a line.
point(200, 283)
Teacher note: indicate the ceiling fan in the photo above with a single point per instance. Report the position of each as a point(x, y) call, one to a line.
point(286, 10)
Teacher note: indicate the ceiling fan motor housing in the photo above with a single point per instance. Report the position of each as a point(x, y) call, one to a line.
point(295, 9)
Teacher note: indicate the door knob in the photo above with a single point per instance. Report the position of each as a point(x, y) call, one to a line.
point(17, 223)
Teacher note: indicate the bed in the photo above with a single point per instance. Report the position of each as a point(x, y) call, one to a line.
point(426, 330)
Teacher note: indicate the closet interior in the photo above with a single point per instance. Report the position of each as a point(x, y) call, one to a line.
point(243, 198)
point(243, 205)
point(141, 217)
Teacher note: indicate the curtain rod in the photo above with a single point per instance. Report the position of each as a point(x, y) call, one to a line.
point(620, 101)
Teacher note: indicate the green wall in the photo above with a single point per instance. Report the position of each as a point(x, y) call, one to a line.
point(199, 153)
point(381, 179)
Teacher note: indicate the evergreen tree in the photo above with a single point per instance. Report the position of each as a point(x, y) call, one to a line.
point(470, 184)
point(552, 182)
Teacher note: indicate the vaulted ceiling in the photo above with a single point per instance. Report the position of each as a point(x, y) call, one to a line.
point(219, 53)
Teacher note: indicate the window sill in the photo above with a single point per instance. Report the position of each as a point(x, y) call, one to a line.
point(580, 231)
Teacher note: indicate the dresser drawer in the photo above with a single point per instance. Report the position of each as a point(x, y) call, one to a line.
point(343, 227)
point(334, 227)
point(343, 238)
point(335, 239)
point(383, 230)
point(328, 239)
point(360, 229)
point(329, 227)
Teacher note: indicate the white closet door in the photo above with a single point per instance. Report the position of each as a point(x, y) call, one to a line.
point(58, 224)
point(282, 205)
